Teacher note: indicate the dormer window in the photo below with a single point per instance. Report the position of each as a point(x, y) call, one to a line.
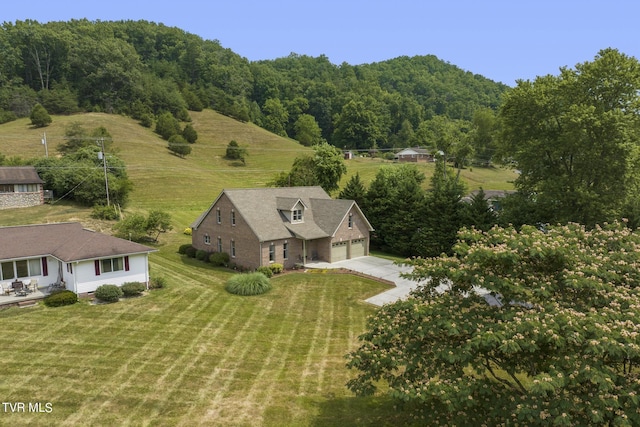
point(297, 215)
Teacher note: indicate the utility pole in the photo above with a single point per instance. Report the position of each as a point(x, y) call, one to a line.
point(102, 155)
point(44, 142)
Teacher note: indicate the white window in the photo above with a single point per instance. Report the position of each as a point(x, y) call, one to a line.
point(218, 216)
point(285, 250)
point(297, 215)
point(111, 264)
point(272, 252)
point(207, 239)
point(20, 269)
point(233, 249)
point(219, 244)
point(26, 188)
point(350, 220)
point(233, 218)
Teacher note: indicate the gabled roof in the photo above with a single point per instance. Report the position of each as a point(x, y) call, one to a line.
point(261, 209)
point(19, 175)
point(288, 203)
point(66, 241)
point(413, 151)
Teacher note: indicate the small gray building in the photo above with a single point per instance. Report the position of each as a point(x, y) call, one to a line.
point(20, 187)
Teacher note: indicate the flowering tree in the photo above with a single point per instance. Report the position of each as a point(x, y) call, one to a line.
point(559, 344)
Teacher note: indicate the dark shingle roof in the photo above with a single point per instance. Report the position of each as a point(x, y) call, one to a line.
point(19, 175)
point(65, 241)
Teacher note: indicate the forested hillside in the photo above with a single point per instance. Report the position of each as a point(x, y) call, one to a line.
point(142, 69)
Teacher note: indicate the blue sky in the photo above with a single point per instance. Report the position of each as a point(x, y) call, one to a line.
point(503, 40)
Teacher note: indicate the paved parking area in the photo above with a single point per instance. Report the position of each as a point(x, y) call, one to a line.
point(377, 267)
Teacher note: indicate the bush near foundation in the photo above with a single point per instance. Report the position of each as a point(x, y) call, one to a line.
point(132, 289)
point(60, 298)
point(108, 293)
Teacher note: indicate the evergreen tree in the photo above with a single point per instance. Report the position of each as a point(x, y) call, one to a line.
point(392, 206)
point(179, 146)
point(478, 212)
point(441, 215)
point(190, 134)
point(354, 190)
point(40, 117)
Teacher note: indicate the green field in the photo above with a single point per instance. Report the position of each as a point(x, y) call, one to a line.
point(191, 354)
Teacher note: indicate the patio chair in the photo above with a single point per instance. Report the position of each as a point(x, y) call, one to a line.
point(33, 285)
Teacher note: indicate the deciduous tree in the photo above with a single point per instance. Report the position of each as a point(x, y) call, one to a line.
point(576, 137)
point(558, 345)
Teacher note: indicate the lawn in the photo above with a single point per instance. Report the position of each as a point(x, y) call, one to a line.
point(192, 354)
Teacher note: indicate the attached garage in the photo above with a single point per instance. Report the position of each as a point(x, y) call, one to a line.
point(358, 248)
point(338, 251)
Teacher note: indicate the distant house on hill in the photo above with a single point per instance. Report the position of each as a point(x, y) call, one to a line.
point(20, 186)
point(286, 225)
point(415, 154)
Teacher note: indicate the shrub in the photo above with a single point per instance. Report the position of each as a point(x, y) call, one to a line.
point(60, 298)
point(158, 282)
point(132, 289)
point(191, 252)
point(219, 259)
point(248, 284)
point(108, 293)
point(187, 231)
point(182, 249)
point(276, 268)
point(201, 255)
point(266, 270)
point(104, 212)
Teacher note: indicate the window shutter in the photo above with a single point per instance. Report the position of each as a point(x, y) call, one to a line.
point(126, 263)
point(45, 266)
point(96, 263)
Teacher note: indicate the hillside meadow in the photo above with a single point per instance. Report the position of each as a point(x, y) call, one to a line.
point(190, 353)
point(185, 187)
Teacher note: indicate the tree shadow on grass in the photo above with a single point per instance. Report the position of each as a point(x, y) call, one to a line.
point(362, 411)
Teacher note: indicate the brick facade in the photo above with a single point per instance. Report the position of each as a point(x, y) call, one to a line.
point(223, 228)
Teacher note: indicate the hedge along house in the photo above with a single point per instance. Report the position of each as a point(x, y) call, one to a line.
point(286, 225)
point(69, 253)
point(20, 186)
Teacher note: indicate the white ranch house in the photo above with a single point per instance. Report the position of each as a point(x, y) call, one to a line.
point(71, 255)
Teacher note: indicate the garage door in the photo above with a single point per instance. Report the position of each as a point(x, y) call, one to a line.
point(338, 251)
point(358, 248)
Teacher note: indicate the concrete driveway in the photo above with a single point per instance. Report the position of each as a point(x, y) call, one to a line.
point(377, 267)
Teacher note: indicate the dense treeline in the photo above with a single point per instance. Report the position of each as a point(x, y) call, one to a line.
point(143, 69)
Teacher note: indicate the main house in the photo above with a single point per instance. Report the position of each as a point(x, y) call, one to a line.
point(20, 186)
point(286, 225)
point(71, 254)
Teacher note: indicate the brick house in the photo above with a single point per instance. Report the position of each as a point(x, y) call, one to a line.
point(20, 187)
point(287, 225)
point(415, 154)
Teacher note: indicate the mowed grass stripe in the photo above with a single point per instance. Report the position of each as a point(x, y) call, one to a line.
point(222, 377)
point(270, 372)
point(199, 345)
point(124, 377)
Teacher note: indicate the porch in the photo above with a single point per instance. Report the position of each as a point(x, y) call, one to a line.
point(20, 300)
